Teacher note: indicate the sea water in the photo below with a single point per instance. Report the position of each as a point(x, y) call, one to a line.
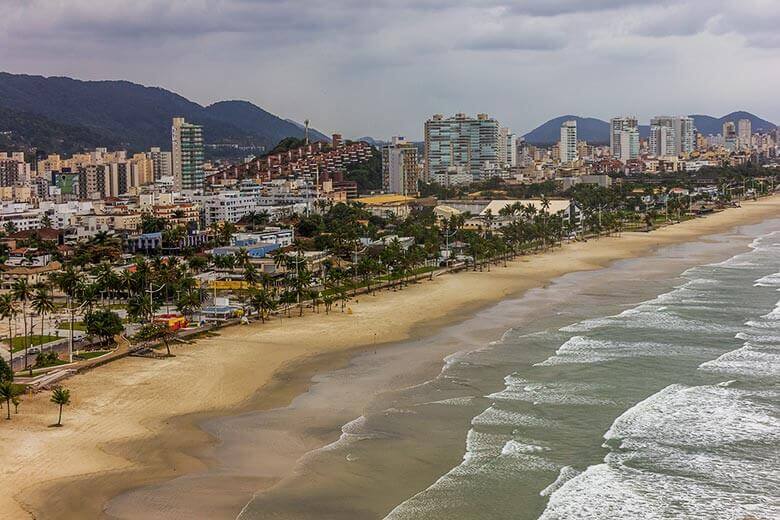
point(641, 391)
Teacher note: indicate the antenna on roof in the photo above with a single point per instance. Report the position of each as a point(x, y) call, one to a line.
point(306, 132)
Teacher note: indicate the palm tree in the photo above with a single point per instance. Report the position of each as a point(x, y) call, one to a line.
point(60, 396)
point(251, 276)
point(68, 281)
point(8, 311)
point(263, 303)
point(22, 292)
point(43, 304)
point(7, 393)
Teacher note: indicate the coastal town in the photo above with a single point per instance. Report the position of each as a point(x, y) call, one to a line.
point(409, 260)
point(110, 253)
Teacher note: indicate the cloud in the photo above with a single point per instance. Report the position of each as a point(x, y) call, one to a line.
point(382, 66)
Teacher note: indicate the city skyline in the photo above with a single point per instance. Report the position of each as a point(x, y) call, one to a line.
point(493, 53)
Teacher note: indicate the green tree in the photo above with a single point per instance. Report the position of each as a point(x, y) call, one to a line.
point(22, 292)
point(104, 324)
point(6, 374)
point(157, 332)
point(7, 393)
point(42, 303)
point(61, 397)
point(8, 311)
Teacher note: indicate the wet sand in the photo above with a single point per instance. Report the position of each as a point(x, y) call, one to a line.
point(135, 422)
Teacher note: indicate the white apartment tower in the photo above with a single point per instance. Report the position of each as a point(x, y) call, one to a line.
point(567, 146)
point(617, 125)
point(400, 171)
point(744, 132)
point(681, 128)
point(507, 148)
point(187, 155)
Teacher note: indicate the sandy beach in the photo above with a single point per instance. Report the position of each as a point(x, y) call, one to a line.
point(134, 421)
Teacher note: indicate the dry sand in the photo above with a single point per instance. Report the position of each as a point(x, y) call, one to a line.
point(132, 422)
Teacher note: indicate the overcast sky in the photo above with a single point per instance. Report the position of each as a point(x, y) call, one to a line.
point(381, 67)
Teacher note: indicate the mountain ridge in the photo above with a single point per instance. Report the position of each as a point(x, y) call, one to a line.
point(596, 131)
point(135, 116)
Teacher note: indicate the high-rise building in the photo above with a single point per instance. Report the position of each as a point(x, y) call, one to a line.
point(730, 140)
point(161, 163)
point(507, 148)
point(616, 126)
point(187, 155)
point(629, 144)
point(682, 130)
point(461, 141)
point(400, 172)
point(744, 132)
point(567, 146)
point(662, 141)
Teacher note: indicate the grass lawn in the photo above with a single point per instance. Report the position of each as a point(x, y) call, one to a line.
point(36, 339)
point(77, 325)
point(93, 354)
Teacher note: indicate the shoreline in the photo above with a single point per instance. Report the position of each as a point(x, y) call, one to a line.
point(136, 421)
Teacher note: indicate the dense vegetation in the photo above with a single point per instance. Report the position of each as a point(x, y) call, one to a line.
point(127, 114)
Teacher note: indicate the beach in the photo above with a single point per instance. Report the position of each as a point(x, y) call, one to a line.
point(135, 421)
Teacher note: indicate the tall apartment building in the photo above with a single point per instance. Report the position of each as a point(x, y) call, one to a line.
point(187, 155)
point(744, 132)
point(13, 169)
point(567, 147)
point(461, 141)
point(662, 141)
point(730, 139)
point(616, 126)
point(507, 148)
point(681, 128)
point(400, 172)
point(161, 163)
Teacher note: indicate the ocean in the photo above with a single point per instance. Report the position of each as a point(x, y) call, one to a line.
point(649, 389)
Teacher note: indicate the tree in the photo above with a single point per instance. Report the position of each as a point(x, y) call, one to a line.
point(8, 311)
point(103, 323)
point(6, 374)
point(157, 332)
point(22, 292)
point(189, 301)
point(7, 393)
point(263, 303)
point(60, 396)
point(10, 227)
point(42, 303)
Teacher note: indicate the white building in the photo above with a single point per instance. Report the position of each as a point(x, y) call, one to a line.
point(744, 132)
point(682, 128)
point(400, 171)
point(568, 142)
point(618, 125)
point(507, 148)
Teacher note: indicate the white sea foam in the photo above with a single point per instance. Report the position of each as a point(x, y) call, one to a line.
point(513, 447)
point(494, 416)
point(567, 473)
point(579, 349)
point(748, 360)
point(556, 392)
point(771, 280)
point(621, 493)
point(701, 416)
point(649, 317)
point(680, 456)
point(453, 401)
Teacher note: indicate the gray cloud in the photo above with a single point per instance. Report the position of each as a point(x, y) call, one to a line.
point(381, 67)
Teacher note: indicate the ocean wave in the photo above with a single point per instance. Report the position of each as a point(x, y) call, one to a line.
point(498, 417)
point(583, 350)
point(749, 360)
point(555, 392)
